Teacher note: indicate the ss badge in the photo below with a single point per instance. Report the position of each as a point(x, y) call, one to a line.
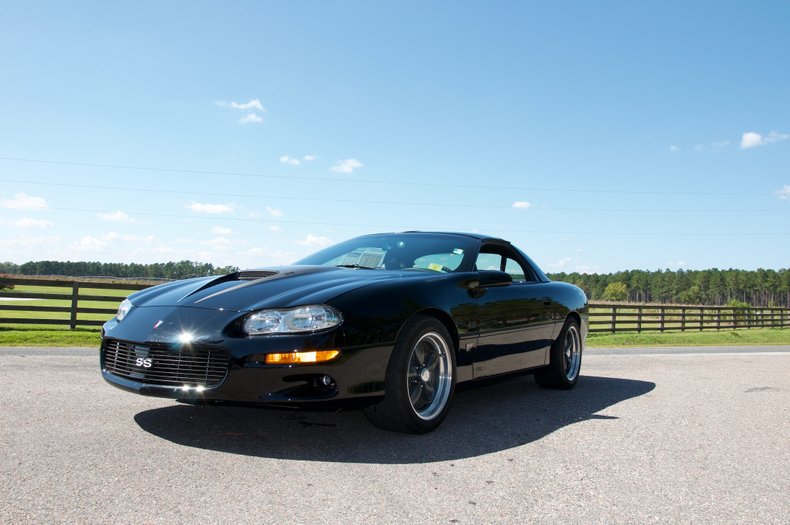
point(143, 362)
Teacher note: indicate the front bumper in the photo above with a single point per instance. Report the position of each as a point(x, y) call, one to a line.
point(154, 360)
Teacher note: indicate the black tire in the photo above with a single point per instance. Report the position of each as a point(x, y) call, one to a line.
point(420, 380)
point(565, 359)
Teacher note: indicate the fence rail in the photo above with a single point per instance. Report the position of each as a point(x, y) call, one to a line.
point(68, 304)
point(663, 318)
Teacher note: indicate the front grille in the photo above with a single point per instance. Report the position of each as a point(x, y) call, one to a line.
point(166, 365)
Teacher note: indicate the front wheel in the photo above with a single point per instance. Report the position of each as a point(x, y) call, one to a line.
point(565, 359)
point(420, 379)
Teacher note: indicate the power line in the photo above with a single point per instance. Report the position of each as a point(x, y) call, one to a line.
point(388, 227)
point(379, 202)
point(368, 181)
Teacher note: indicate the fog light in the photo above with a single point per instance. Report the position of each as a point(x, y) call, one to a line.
point(326, 380)
point(301, 358)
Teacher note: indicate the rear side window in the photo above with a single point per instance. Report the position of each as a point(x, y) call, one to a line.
point(504, 260)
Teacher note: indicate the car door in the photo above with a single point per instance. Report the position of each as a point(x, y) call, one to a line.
point(516, 321)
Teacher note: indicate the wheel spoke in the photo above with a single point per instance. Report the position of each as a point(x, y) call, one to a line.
point(418, 357)
point(432, 361)
point(415, 393)
point(429, 391)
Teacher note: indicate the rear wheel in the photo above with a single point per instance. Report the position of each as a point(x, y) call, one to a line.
point(565, 359)
point(420, 379)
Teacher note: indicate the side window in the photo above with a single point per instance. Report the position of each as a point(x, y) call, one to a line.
point(489, 261)
point(516, 271)
point(495, 257)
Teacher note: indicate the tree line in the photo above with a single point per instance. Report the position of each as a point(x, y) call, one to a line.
point(759, 288)
point(170, 270)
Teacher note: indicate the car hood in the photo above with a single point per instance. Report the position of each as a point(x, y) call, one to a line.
point(278, 287)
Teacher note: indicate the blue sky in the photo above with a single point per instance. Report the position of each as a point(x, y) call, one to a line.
point(597, 136)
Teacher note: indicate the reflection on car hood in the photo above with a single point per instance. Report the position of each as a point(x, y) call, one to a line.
point(271, 287)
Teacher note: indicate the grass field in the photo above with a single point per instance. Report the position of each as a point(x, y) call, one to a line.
point(28, 336)
point(742, 336)
point(21, 290)
point(47, 335)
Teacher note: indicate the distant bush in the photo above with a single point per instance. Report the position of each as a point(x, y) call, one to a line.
point(616, 291)
point(740, 314)
point(5, 285)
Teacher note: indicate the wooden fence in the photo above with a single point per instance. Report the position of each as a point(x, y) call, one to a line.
point(76, 303)
point(66, 302)
point(663, 318)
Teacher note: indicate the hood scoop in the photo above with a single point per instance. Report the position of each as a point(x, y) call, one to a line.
point(254, 275)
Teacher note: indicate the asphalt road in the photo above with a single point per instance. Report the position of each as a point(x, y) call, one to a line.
point(669, 436)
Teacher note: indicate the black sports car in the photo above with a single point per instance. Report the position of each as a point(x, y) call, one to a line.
point(392, 321)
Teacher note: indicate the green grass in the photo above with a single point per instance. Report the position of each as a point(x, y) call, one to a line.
point(59, 337)
point(746, 337)
point(22, 289)
point(28, 336)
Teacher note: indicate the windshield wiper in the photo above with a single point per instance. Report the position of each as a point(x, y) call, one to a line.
point(357, 266)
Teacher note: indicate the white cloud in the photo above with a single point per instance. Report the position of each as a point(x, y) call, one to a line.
point(775, 136)
point(674, 148)
point(274, 212)
point(94, 244)
point(27, 223)
point(751, 139)
point(147, 239)
point(39, 244)
point(583, 268)
point(219, 230)
point(561, 264)
point(251, 104)
point(218, 243)
point(314, 240)
point(721, 144)
point(285, 159)
point(784, 193)
point(275, 228)
point(269, 257)
point(309, 158)
point(216, 209)
point(23, 201)
point(523, 205)
point(250, 118)
point(118, 216)
point(346, 166)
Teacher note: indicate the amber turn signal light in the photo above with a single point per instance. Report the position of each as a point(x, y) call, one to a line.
point(297, 358)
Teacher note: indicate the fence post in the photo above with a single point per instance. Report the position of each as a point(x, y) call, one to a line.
point(661, 318)
point(614, 318)
point(701, 318)
point(682, 319)
point(75, 293)
point(639, 320)
point(718, 319)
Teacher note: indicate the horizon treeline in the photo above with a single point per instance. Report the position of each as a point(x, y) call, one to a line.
point(169, 270)
point(714, 287)
point(761, 288)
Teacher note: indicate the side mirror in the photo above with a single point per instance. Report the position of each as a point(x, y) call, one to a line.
point(488, 278)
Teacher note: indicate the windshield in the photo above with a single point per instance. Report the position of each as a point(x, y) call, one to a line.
point(400, 251)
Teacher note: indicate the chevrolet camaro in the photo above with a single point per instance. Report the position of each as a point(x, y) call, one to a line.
point(390, 322)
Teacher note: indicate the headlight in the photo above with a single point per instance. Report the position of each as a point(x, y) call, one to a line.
point(293, 320)
point(123, 309)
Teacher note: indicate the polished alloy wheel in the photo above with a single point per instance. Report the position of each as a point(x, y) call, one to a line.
point(430, 375)
point(572, 352)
